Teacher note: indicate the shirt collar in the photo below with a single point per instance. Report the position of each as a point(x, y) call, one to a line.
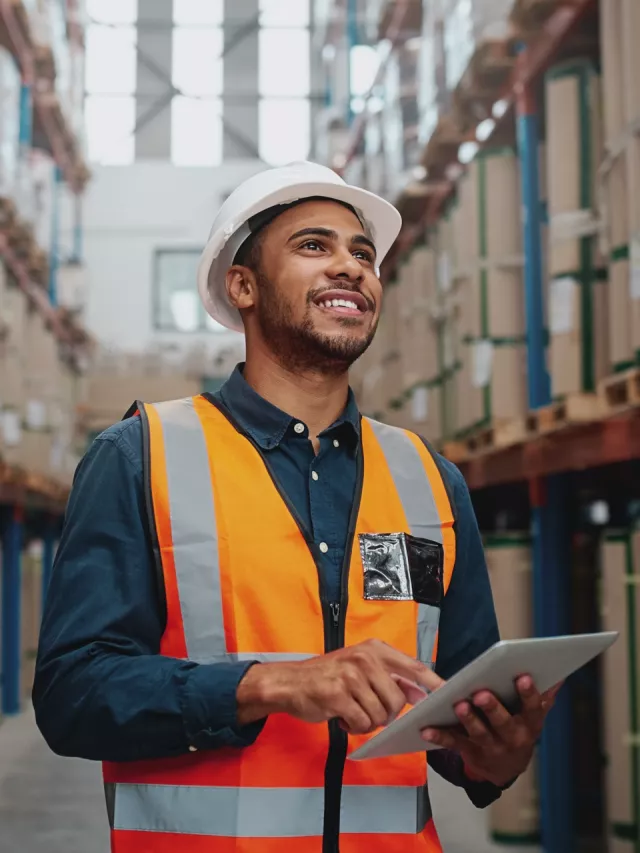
point(266, 423)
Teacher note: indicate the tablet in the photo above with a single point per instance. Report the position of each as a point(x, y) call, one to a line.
point(548, 660)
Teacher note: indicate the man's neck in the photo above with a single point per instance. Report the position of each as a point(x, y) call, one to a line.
point(315, 399)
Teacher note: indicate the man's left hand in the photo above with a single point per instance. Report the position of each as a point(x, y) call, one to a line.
point(499, 747)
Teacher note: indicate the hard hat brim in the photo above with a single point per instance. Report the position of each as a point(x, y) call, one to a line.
point(381, 217)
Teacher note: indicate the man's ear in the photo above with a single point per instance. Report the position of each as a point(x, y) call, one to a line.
point(241, 287)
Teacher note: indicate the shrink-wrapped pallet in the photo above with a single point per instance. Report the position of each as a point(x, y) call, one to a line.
point(620, 602)
point(514, 818)
point(578, 323)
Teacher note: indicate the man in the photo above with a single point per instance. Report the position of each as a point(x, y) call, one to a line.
point(249, 584)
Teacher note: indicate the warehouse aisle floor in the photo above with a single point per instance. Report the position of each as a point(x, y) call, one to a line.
point(54, 805)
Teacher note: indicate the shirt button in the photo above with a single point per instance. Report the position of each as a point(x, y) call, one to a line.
point(314, 475)
point(336, 443)
point(324, 547)
point(299, 428)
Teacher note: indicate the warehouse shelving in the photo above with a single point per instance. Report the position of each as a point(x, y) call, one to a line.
point(585, 438)
point(32, 504)
point(59, 139)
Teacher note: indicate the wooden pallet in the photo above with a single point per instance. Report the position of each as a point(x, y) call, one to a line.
point(497, 436)
point(621, 391)
point(574, 409)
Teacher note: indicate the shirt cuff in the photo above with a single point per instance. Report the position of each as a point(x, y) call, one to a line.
point(210, 708)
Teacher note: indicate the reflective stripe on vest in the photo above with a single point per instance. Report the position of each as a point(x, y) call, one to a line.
point(420, 509)
point(266, 812)
point(195, 539)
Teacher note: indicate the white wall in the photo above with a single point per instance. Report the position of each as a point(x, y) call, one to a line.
point(131, 211)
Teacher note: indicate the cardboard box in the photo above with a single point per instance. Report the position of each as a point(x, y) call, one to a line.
point(509, 560)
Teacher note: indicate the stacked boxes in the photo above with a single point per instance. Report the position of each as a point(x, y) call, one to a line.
point(578, 355)
point(116, 381)
point(30, 613)
point(631, 88)
point(489, 284)
point(621, 693)
point(39, 391)
point(515, 816)
point(614, 186)
point(10, 124)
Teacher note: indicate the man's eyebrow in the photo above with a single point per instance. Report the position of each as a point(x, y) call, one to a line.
point(358, 240)
point(309, 232)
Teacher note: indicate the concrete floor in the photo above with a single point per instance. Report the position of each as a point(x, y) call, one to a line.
point(54, 805)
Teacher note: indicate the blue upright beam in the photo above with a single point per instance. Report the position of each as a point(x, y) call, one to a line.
point(26, 118)
point(10, 621)
point(552, 615)
point(551, 530)
point(529, 152)
point(54, 254)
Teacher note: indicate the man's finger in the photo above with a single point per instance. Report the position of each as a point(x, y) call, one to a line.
point(413, 693)
point(475, 728)
point(390, 693)
point(501, 721)
point(445, 738)
point(395, 661)
point(373, 705)
point(532, 711)
point(353, 718)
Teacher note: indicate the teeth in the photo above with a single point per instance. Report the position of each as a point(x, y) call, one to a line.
point(339, 303)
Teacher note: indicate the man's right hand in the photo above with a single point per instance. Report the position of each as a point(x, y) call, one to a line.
point(355, 685)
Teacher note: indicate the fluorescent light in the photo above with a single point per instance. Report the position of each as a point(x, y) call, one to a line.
point(467, 152)
point(499, 108)
point(329, 52)
point(485, 129)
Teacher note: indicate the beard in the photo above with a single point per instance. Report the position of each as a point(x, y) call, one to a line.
point(298, 345)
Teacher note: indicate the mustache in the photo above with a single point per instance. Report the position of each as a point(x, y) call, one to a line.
point(314, 294)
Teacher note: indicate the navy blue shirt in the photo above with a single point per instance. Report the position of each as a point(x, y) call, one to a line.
point(103, 692)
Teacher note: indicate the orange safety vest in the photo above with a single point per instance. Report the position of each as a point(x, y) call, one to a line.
point(242, 583)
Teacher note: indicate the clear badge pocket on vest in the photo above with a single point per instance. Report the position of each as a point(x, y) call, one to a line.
point(401, 567)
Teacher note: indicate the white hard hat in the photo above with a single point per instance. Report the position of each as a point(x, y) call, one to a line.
point(281, 186)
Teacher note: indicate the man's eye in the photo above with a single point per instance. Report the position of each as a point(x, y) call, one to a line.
point(311, 244)
point(361, 254)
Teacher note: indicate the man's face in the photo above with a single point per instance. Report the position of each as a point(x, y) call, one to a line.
point(317, 300)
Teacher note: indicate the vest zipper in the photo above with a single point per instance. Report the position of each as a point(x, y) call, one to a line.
point(337, 756)
point(335, 639)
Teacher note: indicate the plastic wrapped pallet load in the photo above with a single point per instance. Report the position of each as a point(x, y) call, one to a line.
point(514, 818)
point(419, 344)
point(578, 294)
point(621, 694)
point(31, 610)
point(10, 124)
point(614, 186)
point(392, 360)
point(631, 63)
point(12, 368)
point(490, 279)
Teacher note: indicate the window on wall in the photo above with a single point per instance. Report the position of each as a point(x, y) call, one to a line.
point(177, 306)
point(196, 133)
point(284, 112)
point(110, 86)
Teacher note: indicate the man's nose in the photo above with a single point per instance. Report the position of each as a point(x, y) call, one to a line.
point(345, 266)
